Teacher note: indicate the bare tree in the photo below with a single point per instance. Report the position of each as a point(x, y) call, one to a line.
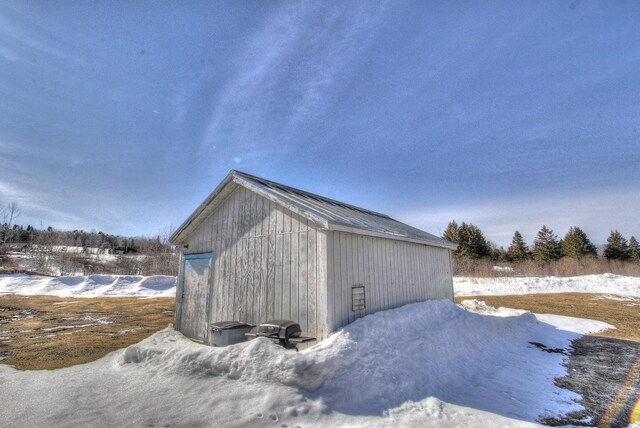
point(160, 257)
point(43, 242)
point(4, 214)
point(9, 214)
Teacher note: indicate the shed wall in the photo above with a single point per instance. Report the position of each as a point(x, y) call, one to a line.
point(268, 263)
point(393, 272)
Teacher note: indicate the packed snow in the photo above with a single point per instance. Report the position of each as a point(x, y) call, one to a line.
point(604, 283)
point(426, 363)
point(431, 363)
point(89, 286)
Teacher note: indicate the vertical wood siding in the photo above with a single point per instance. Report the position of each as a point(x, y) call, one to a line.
point(269, 263)
point(393, 273)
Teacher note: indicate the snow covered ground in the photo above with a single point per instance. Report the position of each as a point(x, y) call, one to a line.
point(430, 363)
point(604, 283)
point(89, 286)
point(164, 286)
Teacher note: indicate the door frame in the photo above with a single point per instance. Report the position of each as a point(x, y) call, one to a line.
point(180, 288)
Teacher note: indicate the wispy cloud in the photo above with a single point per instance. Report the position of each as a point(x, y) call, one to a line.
point(38, 193)
point(22, 34)
point(455, 100)
point(8, 54)
point(36, 202)
point(284, 73)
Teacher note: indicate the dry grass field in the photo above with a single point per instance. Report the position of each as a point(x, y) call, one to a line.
point(45, 332)
point(622, 312)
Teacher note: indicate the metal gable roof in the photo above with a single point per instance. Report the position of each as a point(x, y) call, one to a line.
point(326, 213)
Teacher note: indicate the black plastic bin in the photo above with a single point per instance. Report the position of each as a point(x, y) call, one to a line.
point(225, 333)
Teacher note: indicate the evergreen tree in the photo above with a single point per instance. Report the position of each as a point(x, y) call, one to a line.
point(617, 247)
point(576, 244)
point(634, 249)
point(518, 250)
point(498, 254)
point(546, 246)
point(451, 232)
point(471, 242)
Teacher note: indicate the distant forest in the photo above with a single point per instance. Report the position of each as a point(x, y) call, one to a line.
point(106, 243)
point(574, 254)
point(78, 251)
point(71, 252)
point(65, 252)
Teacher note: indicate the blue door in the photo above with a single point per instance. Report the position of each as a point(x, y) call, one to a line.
point(193, 295)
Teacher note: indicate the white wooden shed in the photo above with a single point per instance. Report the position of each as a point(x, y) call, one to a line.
point(256, 250)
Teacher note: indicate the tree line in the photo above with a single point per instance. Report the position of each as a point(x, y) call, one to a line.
point(63, 252)
point(104, 242)
point(52, 250)
point(546, 246)
point(19, 234)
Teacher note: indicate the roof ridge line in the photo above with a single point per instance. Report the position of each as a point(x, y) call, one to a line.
point(334, 201)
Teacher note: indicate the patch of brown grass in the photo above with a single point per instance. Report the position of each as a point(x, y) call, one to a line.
point(623, 314)
point(34, 333)
point(46, 332)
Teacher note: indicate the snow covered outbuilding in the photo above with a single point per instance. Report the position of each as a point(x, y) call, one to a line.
point(256, 250)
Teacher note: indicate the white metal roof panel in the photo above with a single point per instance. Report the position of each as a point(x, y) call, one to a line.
point(325, 212)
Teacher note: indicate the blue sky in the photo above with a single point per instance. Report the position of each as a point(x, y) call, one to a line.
point(122, 116)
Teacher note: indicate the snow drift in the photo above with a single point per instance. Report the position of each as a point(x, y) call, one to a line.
point(89, 286)
point(603, 283)
point(425, 363)
point(164, 286)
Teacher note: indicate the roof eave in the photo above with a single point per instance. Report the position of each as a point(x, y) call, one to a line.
point(337, 227)
point(177, 237)
point(307, 213)
point(180, 235)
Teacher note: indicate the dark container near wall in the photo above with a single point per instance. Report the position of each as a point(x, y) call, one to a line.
point(224, 333)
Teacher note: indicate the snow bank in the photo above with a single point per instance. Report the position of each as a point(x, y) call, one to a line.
point(430, 363)
point(604, 283)
point(89, 286)
point(164, 286)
